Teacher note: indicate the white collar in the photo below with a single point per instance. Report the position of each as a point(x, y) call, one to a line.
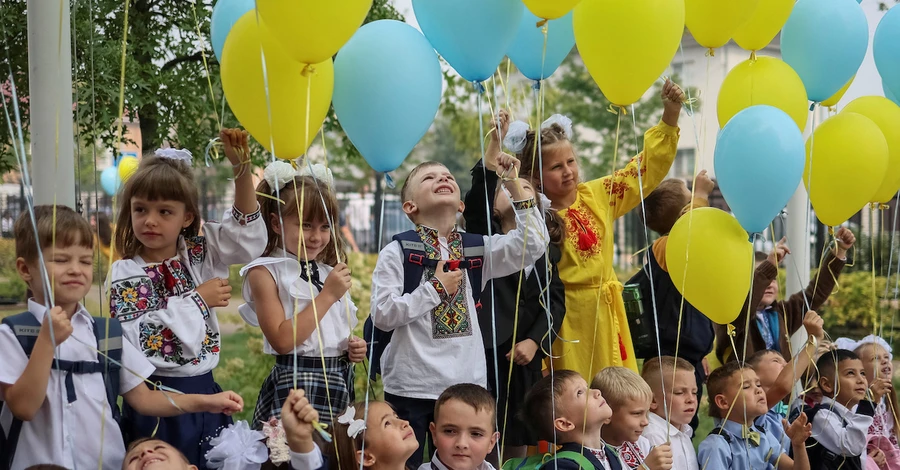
point(672, 430)
point(39, 311)
point(436, 463)
point(838, 408)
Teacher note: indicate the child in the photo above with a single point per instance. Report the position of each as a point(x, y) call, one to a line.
point(736, 400)
point(774, 321)
point(277, 287)
point(49, 416)
point(534, 330)
point(170, 279)
point(839, 435)
point(593, 293)
point(682, 329)
point(677, 397)
point(777, 378)
point(630, 399)
point(562, 409)
point(436, 341)
point(463, 429)
point(373, 437)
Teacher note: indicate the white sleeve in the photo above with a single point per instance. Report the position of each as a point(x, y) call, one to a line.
point(135, 363)
point(238, 239)
point(391, 308)
point(851, 440)
point(14, 359)
point(505, 250)
point(310, 461)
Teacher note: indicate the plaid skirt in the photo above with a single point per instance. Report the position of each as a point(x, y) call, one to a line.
point(310, 377)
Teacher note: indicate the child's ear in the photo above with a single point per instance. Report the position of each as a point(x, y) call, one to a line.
point(188, 219)
point(653, 404)
point(432, 429)
point(24, 270)
point(563, 425)
point(721, 402)
point(409, 208)
point(494, 438)
point(275, 223)
point(462, 207)
point(826, 386)
point(367, 459)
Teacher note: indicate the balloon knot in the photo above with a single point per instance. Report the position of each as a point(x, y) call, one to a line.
point(711, 52)
point(731, 331)
point(884, 206)
point(536, 85)
point(389, 181)
point(753, 56)
point(831, 231)
point(832, 109)
point(308, 70)
point(616, 109)
point(542, 23)
point(479, 87)
point(812, 106)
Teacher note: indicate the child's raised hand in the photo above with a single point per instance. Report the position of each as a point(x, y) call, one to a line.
point(814, 324)
point(673, 97)
point(493, 151)
point(450, 279)
point(880, 386)
point(878, 457)
point(338, 281)
point(215, 292)
point(781, 250)
point(297, 418)
point(703, 185)
point(845, 240)
point(660, 457)
point(356, 349)
point(62, 326)
point(508, 165)
point(237, 145)
point(798, 431)
point(226, 403)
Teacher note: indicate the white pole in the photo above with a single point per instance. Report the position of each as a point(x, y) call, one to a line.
point(50, 97)
point(798, 235)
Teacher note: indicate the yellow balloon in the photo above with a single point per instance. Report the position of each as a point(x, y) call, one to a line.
point(836, 98)
point(313, 30)
point(627, 44)
point(766, 80)
point(886, 115)
point(846, 159)
point(713, 22)
point(764, 24)
point(127, 167)
point(710, 259)
point(288, 80)
point(550, 9)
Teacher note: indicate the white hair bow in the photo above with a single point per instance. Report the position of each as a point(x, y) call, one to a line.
point(175, 154)
point(237, 447)
point(280, 173)
point(849, 344)
point(354, 426)
point(518, 130)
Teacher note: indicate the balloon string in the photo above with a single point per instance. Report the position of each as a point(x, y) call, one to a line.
point(212, 95)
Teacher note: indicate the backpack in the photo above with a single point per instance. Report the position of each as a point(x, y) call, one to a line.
point(822, 458)
point(545, 461)
point(27, 328)
point(415, 260)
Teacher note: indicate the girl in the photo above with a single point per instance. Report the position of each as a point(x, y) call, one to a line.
point(595, 333)
point(277, 287)
point(170, 279)
point(534, 331)
point(379, 441)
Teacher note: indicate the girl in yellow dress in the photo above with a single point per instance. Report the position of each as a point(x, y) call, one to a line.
point(594, 333)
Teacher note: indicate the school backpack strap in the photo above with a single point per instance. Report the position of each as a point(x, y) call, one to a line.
point(577, 457)
point(108, 332)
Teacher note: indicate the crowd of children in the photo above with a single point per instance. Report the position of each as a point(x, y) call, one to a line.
point(485, 339)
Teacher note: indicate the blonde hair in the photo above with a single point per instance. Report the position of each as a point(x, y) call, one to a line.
point(620, 384)
point(654, 369)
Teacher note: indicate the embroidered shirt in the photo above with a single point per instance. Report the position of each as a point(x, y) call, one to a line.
point(883, 423)
point(633, 454)
point(658, 431)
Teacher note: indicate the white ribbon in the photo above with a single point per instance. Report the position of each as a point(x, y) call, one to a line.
point(354, 426)
point(518, 131)
point(850, 345)
point(175, 154)
point(237, 447)
point(280, 173)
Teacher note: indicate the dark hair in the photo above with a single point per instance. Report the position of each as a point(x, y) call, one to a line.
point(758, 356)
point(473, 395)
point(404, 190)
point(537, 411)
point(662, 207)
point(717, 383)
point(104, 229)
point(156, 179)
point(342, 452)
point(827, 365)
point(55, 224)
point(313, 193)
point(142, 440)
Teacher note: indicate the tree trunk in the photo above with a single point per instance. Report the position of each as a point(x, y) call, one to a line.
point(142, 21)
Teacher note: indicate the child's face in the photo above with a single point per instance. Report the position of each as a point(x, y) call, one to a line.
point(770, 295)
point(388, 438)
point(628, 421)
point(157, 224)
point(583, 407)
point(316, 235)
point(560, 170)
point(70, 269)
point(432, 187)
point(769, 368)
point(876, 361)
point(156, 455)
point(463, 436)
point(851, 384)
point(682, 399)
point(502, 205)
point(747, 394)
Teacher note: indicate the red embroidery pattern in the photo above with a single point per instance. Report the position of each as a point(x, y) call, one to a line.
point(617, 184)
point(631, 454)
point(582, 231)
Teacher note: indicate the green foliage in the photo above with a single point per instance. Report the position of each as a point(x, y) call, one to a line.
point(12, 287)
point(855, 310)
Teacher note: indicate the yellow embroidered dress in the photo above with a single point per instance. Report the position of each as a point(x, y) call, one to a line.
point(594, 333)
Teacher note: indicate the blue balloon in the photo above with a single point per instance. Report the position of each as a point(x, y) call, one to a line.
point(387, 90)
point(886, 49)
point(759, 160)
point(109, 180)
point(527, 50)
point(825, 42)
point(471, 35)
point(890, 94)
point(225, 14)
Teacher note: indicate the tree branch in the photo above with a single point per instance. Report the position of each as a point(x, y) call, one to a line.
point(195, 57)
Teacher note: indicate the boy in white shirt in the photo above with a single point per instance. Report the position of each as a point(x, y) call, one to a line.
point(56, 409)
point(436, 339)
point(679, 395)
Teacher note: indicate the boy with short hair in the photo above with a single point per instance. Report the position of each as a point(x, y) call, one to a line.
point(48, 413)
point(436, 339)
point(736, 400)
point(463, 430)
point(561, 409)
point(674, 389)
point(630, 398)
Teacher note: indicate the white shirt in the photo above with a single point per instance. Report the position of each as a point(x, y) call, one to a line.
point(438, 465)
point(310, 461)
point(335, 327)
point(62, 433)
point(416, 364)
point(830, 432)
point(683, 455)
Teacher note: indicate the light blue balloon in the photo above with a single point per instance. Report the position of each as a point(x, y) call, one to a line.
point(759, 160)
point(225, 14)
point(471, 35)
point(825, 42)
point(109, 180)
point(527, 50)
point(889, 94)
point(886, 49)
point(387, 90)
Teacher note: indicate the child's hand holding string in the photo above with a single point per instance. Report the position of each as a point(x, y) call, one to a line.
point(845, 240)
point(227, 403)
point(880, 386)
point(660, 458)
point(814, 325)
point(493, 151)
point(508, 170)
point(338, 282)
point(450, 280)
point(356, 349)
point(297, 418)
point(798, 431)
point(215, 292)
point(673, 97)
point(237, 146)
point(781, 250)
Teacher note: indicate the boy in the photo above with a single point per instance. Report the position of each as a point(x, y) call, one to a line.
point(49, 416)
point(736, 400)
point(436, 339)
point(664, 206)
point(630, 397)
point(561, 409)
point(463, 429)
point(839, 435)
point(778, 378)
point(774, 321)
point(678, 397)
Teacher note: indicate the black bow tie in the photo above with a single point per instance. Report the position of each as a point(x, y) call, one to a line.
point(310, 267)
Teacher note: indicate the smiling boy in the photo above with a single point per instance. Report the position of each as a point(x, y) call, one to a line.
point(463, 429)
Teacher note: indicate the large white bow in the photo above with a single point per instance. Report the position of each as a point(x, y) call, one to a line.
point(518, 130)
